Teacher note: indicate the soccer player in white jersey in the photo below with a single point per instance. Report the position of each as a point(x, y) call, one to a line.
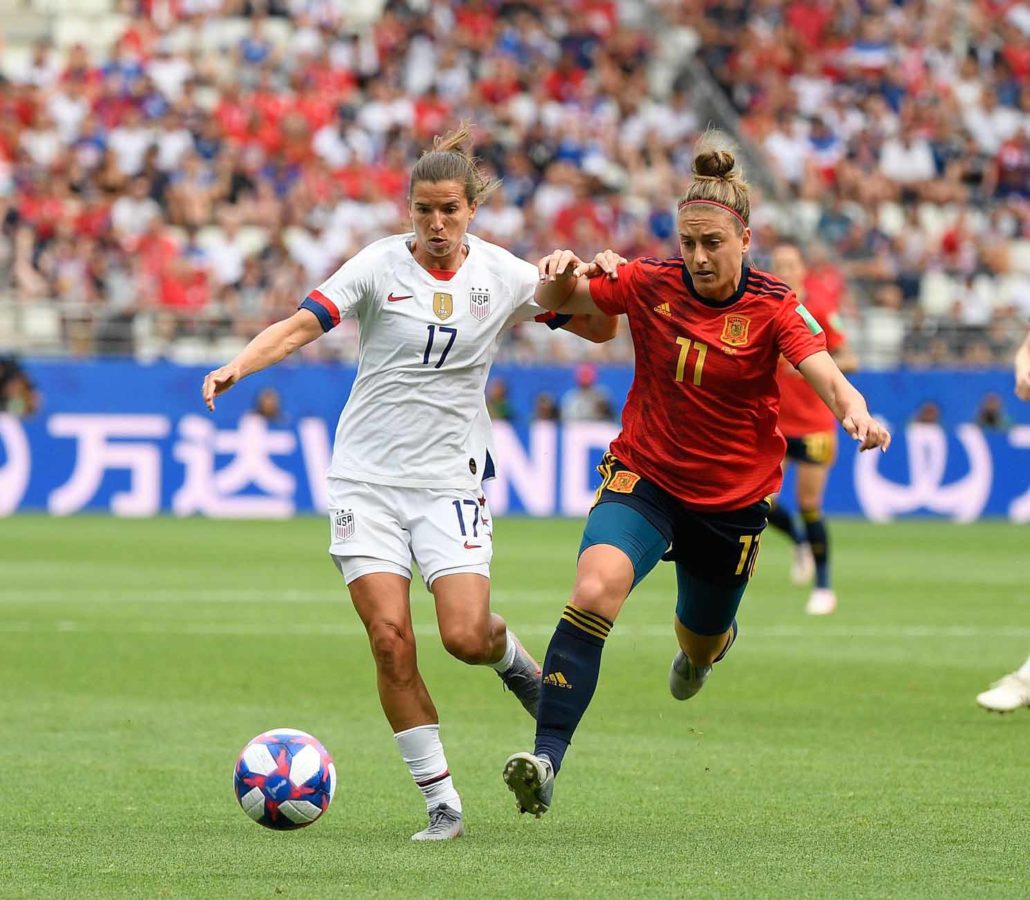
point(1013, 691)
point(413, 445)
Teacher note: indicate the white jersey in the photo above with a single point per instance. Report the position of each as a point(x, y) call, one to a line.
point(416, 415)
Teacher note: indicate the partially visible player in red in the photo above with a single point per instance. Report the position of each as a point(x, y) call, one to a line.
point(811, 432)
point(699, 453)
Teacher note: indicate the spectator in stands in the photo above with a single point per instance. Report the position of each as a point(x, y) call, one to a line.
point(870, 133)
point(545, 408)
point(929, 413)
point(498, 404)
point(18, 394)
point(268, 405)
point(991, 414)
point(587, 401)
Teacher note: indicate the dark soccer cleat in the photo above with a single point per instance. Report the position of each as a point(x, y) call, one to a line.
point(531, 779)
point(445, 824)
point(522, 678)
point(686, 679)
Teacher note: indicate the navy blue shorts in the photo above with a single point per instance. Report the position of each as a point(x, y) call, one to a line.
point(714, 552)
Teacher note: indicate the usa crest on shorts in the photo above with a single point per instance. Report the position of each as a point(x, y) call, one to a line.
point(479, 303)
point(343, 525)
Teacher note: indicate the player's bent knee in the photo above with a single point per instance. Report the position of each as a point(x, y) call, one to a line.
point(598, 593)
point(469, 646)
point(393, 650)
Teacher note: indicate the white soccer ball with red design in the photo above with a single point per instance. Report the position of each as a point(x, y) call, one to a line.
point(284, 779)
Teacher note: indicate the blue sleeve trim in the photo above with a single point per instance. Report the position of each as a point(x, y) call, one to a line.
point(558, 320)
point(324, 319)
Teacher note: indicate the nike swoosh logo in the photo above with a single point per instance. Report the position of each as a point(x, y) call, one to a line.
point(393, 299)
point(469, 546)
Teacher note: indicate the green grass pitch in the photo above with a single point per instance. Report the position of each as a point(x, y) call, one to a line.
point(840, 757)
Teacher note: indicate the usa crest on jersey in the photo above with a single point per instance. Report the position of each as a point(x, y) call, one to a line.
point(479, 303)
point(343, 525)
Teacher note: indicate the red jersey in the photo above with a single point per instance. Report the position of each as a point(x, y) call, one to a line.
point(801, 409)
point(700, 418)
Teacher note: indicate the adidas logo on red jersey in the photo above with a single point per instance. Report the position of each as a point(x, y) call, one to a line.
point(663, 309)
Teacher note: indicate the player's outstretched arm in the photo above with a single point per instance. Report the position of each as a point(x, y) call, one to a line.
point(846, 403)
point(1023, 369)
point(273, 344)
point(564, 280)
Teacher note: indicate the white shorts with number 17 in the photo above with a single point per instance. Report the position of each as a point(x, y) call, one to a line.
point(381, 528)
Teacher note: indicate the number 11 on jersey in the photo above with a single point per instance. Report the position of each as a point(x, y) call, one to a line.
point(699, 363)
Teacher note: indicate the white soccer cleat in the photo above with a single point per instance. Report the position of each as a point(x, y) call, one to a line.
point(445, 824)
point(802, 569)
point(821, 602)
point(1007, 695)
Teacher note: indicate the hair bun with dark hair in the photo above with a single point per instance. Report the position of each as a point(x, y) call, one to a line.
point(714, 163)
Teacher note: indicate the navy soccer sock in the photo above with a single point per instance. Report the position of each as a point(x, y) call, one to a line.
point(782, 520)
point(815, 528)
point(570, 671)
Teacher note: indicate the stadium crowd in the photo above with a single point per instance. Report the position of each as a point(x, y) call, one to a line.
point(172, 193)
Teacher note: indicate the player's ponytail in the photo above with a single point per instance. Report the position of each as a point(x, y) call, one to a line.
point(451, 160)
point(718, 178)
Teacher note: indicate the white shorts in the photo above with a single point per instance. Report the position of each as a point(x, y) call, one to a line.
point(381, 528)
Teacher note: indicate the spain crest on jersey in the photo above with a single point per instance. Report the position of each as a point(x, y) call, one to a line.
point(343, 525)
point(479, 303)
point(443, 305)
point(735, 330)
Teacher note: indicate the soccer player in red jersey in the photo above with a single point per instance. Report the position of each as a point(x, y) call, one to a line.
point(811, 432)
point(699, 453)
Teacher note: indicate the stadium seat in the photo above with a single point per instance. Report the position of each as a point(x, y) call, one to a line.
point(14, 61)
point(254, 239)
point(1013, 290)
point(225, 33)
point(96, 34)
point(40, 327)
point(8, 327)
point(935, 218)
point(77, 7)
point(191, 352)
point(891, 218)
point(209, 235)
point(937, 293)
point(1019, 255)
point(227, 346)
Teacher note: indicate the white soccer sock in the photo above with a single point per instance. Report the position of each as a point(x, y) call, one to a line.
point(1024, 670)
point(508, 657)
point(422, 750)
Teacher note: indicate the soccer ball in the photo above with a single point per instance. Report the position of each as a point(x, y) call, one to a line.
point(284, 779)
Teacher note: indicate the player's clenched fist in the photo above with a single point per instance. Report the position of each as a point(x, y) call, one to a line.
point(218, 382)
